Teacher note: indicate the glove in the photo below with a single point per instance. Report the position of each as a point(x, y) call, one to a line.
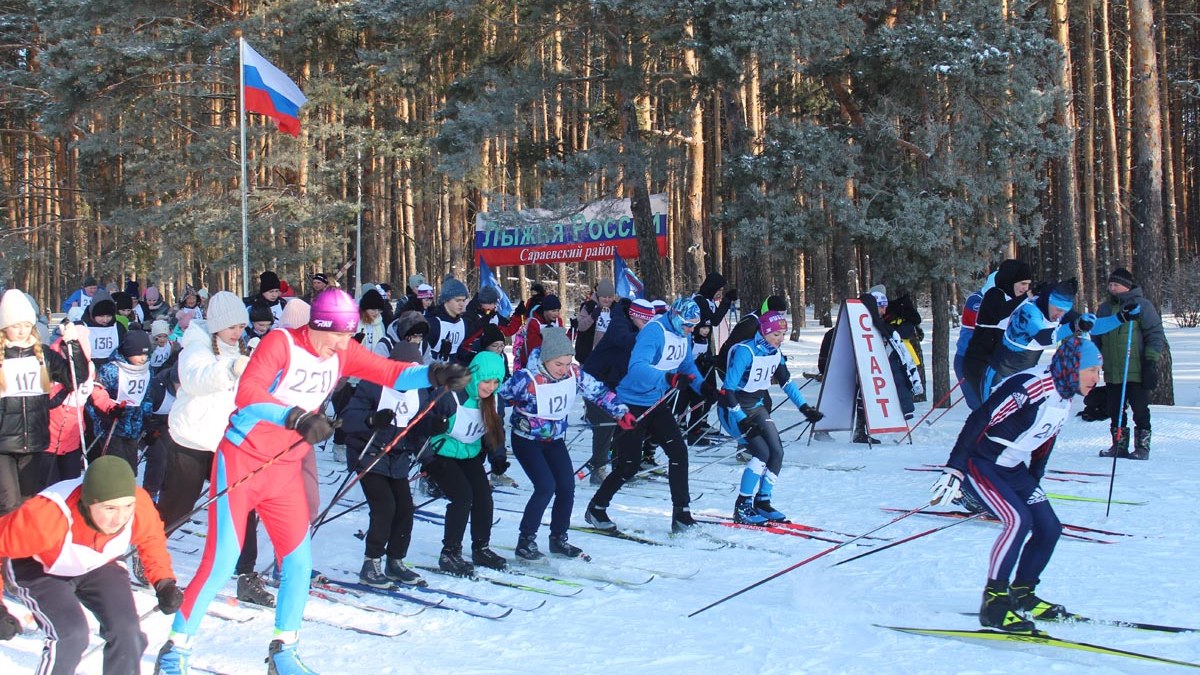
point(437, 424)
point(499, 466)
point(444, 351)
point(252, 344)
point(709, 390)
point(731, 295)
point(1129, 311)
point(359, 337)
point(627, 421)
point(680, 380)
point(519, 310)
point(1149, 375)
point(169, 596)
point(118, 409)
point(9, 626)
point(314, 427)
point(450, 375)
point(239, 365)
point(381, 418)
point(946, 489)
point(811, 414)
point(1084, 322)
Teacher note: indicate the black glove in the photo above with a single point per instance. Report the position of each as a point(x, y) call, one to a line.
point(731, 295)
point(709, 390)
point(359, 337)
point(499, 466)
point(314, 427)
point(444, 351)
point(450, 375)
point(169, 596)
point(1083, 323)
point(1149, 375)
point(381, 418)
point(9, 626)
point(811, 414)
point(437, 424)
point(519, 310)
point(748, 428)
point(1129, 311)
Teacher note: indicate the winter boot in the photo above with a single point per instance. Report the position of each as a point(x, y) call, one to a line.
point(372, 574)
point(997, 610)
point(173, 659)
point(561, 547)
point(1141, 444)
point(1033, 607)
point(597, 517)
point(764, 508)
point(283, 659)
point(483, 556)
point(502, 480)
point(860, 432)
point(745, 513)
point(396, 570)
point(823, 436)
point(250, 589)
point(527, 548)
point(451, 561)
point(1120, 445)
point(682, 520)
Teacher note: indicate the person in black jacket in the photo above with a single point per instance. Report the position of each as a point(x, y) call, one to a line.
point(712, 298)
point(373, 419)
point(1013, 279)
point(593, 319)
point(28, 369)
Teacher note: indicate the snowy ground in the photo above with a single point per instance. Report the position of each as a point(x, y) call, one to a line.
point(816, 619)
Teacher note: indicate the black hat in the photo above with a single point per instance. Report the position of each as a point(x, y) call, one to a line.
point(372, 300)
point(268, 281)
point(104, 308)
point(319, 276)
point(712, 283)
point(1123, 277)
point(122, 300)
point(89, 281)
point(488, 295)
point(490, 335)
point(135, 342)
point(550, 302)
point(260, 311)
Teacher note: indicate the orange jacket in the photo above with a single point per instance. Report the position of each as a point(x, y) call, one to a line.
point(39, 528)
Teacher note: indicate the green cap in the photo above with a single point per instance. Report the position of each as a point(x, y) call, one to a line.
point(107, 478)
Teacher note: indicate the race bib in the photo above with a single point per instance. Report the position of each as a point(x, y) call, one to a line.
point(762, 369)
point(554, 399)
point(22, 377)
point(308, 380)
point(603, 321)
point(468, 425)
point(159, 356)
point(404, 403)
point(673, 351)
point(104, 341)
point(132, 384)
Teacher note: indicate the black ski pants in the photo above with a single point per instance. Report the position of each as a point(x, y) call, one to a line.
point(661, 426)
point(466, 485)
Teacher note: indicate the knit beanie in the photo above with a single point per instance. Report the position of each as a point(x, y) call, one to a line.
point(641, 309)
point(103, 308)
point(490, 335)
point(774, 303)
point(15, 308)
point(152, 295)
point(1062, 295)
point(1122, 276)
point(605, 287)
point(712, 283)
point(424, 291)
point(122, 300)
point(160, 327)
point(183, 318)
point(320, 277)
point(135, 343)
point(881, 300)
point(261, 311)
point(660, 306)
point(107, 478)
point(771, 322)
point(224, 310)
point(550, 302)
point(296, 313)
point(415, 280)
point(1073, 355)
point(88, 281)
point(202, 294)
point(488, 295)
point(268, 281)
point(555, 343)
point(878, 288)
point(372, 300)
point(452, 288)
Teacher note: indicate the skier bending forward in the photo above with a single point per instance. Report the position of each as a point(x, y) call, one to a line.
point(1002, 452)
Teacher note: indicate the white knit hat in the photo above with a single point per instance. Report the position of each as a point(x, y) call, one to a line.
point(160, 327)
point(224, 310)
point(296, 313)
point(15, 308)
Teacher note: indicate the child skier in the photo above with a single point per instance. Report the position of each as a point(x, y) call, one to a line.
point(753, 366)
point(126, 378)
point(1002, 453)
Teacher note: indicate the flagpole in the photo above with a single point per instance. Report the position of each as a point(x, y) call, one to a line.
point(245, 197)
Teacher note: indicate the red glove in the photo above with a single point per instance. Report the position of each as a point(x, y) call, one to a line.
point(680, 380)
point(627, 422)
point(118, 408)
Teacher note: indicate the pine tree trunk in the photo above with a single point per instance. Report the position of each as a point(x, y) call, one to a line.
point(1114, 253)
point(1087, 122)
point(1066, 186)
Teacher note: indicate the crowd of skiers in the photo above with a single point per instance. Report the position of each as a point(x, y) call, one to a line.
point(235, 392)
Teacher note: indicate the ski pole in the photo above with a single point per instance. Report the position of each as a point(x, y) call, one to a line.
point(583, 470)
point(1112, 478)
point(75, 388)
point(943, 414)
point(909, 538)
point(809, 559)
point(112, 428)
point(931, 409)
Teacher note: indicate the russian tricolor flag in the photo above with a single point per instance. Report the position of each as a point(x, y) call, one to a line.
point(269, 92)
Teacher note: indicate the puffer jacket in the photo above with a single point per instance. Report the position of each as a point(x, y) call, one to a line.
point(1148, 343)
point(25, 420)
point(207, 387)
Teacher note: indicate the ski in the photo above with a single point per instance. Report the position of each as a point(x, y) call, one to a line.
point(501, 582)
point(585, 570)
point(937, 468)
point(345, 594)
point(770, 528)
point(618, 534)
point(1036, 638)
point(1136, 625)
point(1065, 526)
point(232, 601)
point(1094, 500)
point(397, 593)
point(1078, 473)
point(429, 590)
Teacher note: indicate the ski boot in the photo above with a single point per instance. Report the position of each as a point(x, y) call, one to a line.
point(527, 548)
point(282, 659)
point(1120, 443)
point(561, 547)
point(763, 506)
point(396, 570)
point(372, 574)
point(250, 589)
point(682, 520)
point(172, 659)
point(483, 556)
point(745, 513)
point(1034, 607)
point(1141, 444)
point(822, 436)
point(648, 462)
point(597, 517)
point(502, 480)
point(997, 610)
point(451, 561)
point(860, 432)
